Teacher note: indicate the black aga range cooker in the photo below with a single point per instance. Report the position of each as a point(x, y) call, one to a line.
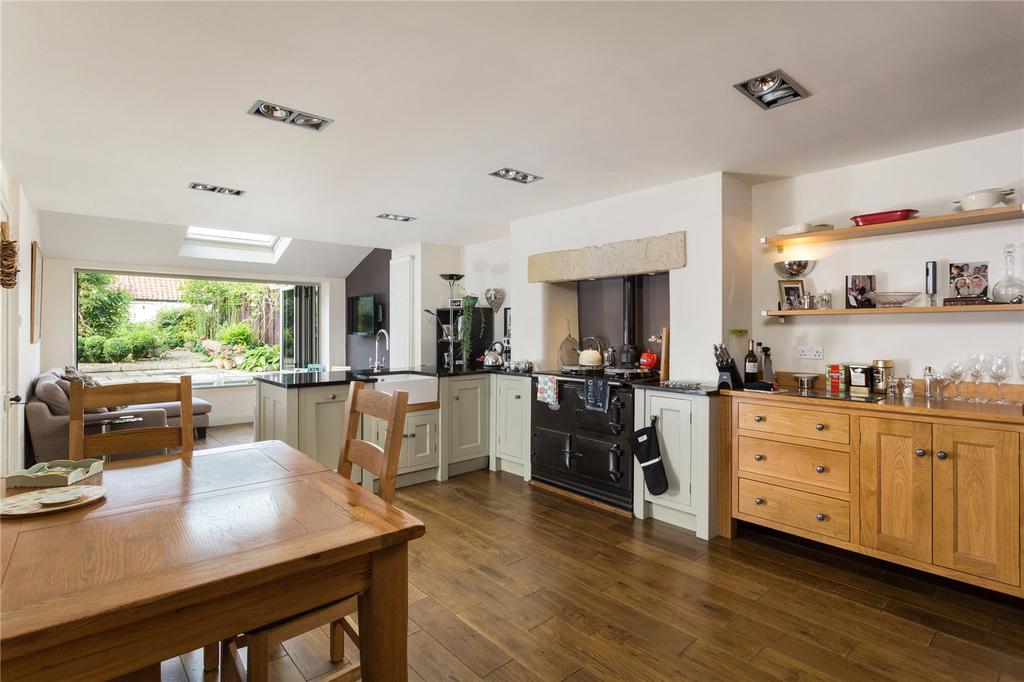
point(582, 450)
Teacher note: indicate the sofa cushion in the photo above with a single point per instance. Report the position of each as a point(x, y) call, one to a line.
point(48, 391)
point(66, 387)
point(199, 406)
point(70, 373)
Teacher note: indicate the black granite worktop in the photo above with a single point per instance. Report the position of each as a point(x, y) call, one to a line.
point(308, 379)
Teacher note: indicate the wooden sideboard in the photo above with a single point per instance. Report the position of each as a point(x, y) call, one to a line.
point(937, 487)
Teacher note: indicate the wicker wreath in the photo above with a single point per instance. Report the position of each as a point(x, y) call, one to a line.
point(8, 259)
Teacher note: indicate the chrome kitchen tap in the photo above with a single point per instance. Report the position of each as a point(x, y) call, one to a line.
point(377, 364)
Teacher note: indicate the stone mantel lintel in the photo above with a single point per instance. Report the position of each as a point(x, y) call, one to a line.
point(615, 259)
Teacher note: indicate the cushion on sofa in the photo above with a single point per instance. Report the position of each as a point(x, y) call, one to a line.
point(48, 391)
point(66, 387)
point(199, 406)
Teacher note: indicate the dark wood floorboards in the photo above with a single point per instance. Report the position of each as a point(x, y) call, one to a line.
point(512, 583)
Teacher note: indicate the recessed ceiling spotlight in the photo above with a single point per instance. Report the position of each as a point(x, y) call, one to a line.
point(216, 189)
point(276, 112)
point(396, 217)
point(514, 175)
point(772, 90)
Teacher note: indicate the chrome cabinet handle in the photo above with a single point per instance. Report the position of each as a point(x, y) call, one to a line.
point(920, 452)
point(456, 397)
point(758, 458)
point(758, 418)
point(405, 435)
point(518, 396)
point(941, 455)
point(820, 427)
point(759, 500)
point(820, 517)
point(332, 396)
point(412, 435)
point(820, 469)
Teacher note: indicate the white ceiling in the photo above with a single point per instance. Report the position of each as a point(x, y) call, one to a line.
point(110, 109)
point(132, 244)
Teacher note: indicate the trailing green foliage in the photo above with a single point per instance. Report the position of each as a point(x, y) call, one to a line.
point(101, 307)
point(261, 359)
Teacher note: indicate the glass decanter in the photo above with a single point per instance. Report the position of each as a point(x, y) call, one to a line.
point(1010, 286)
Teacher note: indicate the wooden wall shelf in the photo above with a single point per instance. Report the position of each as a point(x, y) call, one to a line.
point(920, 310)
point(935, 222)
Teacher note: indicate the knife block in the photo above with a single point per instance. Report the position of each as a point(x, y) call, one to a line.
point(729, 377)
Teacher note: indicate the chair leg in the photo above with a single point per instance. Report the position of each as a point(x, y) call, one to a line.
point(258, 669)
point(337, 642)
point(211, 656)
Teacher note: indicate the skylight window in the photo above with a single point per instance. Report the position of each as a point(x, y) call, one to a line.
point(217, 244)
point(212, 234)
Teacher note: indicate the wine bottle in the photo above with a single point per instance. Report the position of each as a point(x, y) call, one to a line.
point(750, 364)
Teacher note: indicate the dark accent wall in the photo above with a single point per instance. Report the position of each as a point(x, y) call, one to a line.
point(600, 309)
point(371, 276)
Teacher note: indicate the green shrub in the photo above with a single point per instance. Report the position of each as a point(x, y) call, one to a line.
point(92, 348)
point(116, 349)
point(239, 334)
point(142, 341)
point(102, 308)
point(261, 359)
point(174, 325)
point(80, 349)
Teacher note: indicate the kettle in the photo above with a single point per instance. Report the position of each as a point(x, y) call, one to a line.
point(591, 357)
point(492, 358)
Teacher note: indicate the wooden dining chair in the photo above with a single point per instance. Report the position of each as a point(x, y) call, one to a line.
point(124, 441)
point(381, 462)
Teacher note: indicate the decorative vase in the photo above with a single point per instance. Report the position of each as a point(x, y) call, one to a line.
point(469, 301)
point(1010, 286)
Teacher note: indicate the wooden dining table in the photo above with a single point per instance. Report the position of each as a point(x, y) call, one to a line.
point(188, 551)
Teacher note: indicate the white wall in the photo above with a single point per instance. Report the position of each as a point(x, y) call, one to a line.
point(58, 346)
point(696, 293)
point(929, 181)
point(429, 291)
point(487, 267)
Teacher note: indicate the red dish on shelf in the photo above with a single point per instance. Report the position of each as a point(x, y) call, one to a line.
point(884, 217)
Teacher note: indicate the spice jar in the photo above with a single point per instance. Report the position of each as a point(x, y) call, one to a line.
point(882, 376)
point(807, 301)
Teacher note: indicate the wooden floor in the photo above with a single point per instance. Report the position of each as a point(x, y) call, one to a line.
point(512, 583)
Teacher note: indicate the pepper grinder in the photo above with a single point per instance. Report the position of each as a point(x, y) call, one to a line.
point(929, 382)
point(930, 284)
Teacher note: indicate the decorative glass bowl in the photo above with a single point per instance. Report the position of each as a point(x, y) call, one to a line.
point(892, 299)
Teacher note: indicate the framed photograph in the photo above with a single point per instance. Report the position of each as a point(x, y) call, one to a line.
point(35, 329)
point(508, 323)
point(454, 302)
point(968, 278)
point(790, 291)
point(858, 290)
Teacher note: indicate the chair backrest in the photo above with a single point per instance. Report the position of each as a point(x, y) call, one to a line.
point(382, 462)
point(129, 440)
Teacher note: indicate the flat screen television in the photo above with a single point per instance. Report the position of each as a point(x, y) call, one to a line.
point(361, 315)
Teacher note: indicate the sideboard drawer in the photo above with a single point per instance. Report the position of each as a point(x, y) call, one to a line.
point(807, 511)
point(801, 463)
point(792, 421)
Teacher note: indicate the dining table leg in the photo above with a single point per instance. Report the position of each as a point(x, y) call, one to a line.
point(384, 616)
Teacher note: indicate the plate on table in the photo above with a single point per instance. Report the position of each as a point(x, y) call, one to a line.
point(50, 500)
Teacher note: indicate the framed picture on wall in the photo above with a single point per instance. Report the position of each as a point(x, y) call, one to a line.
point(36, 306)
point(508, 323)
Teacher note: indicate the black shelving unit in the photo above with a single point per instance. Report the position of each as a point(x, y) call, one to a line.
point(482, 336)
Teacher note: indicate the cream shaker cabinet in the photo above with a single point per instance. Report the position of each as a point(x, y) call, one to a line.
point(510, 416)
point(468, 418)
point(309, 418)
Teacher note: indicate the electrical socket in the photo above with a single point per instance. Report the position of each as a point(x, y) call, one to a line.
point(810, 352)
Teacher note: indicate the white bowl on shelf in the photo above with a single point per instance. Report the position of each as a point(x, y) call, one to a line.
point(984, 198)
point(892, 299)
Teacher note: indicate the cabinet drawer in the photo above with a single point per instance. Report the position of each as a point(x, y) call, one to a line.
point(800, 463)
point(807, 511)
point(789, 421)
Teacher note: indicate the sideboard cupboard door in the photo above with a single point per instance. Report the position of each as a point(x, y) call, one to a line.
point(896, 487)
point(977, 502)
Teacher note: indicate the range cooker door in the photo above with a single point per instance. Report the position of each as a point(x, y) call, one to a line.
point(615, 422)
point(604, 469)
point(551, 453)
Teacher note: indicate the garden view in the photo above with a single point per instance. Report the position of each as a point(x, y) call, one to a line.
point(141, 322)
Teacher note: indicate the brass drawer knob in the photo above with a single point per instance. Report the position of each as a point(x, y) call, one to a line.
point(920, 452)
point(820, 517)
point(941, 455)
point(820, 469)
point(758, 500)
point(758, 418)
point(758, 458)
point(820, 427)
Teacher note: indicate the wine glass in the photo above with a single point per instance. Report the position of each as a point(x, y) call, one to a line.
point(955, 371)
point(999, 369)
point(977, 364)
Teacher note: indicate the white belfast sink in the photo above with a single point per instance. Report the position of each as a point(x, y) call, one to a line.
point(421, 388)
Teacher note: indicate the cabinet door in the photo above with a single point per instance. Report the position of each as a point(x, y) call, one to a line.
point(977, 502)
point(511, 418)
point(321, 420)
point(276, 416)
point(419, 449)
point(469, 419)
point(896, 487)
point(674, 417)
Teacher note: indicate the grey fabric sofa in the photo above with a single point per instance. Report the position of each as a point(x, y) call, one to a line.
point(46, 415)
